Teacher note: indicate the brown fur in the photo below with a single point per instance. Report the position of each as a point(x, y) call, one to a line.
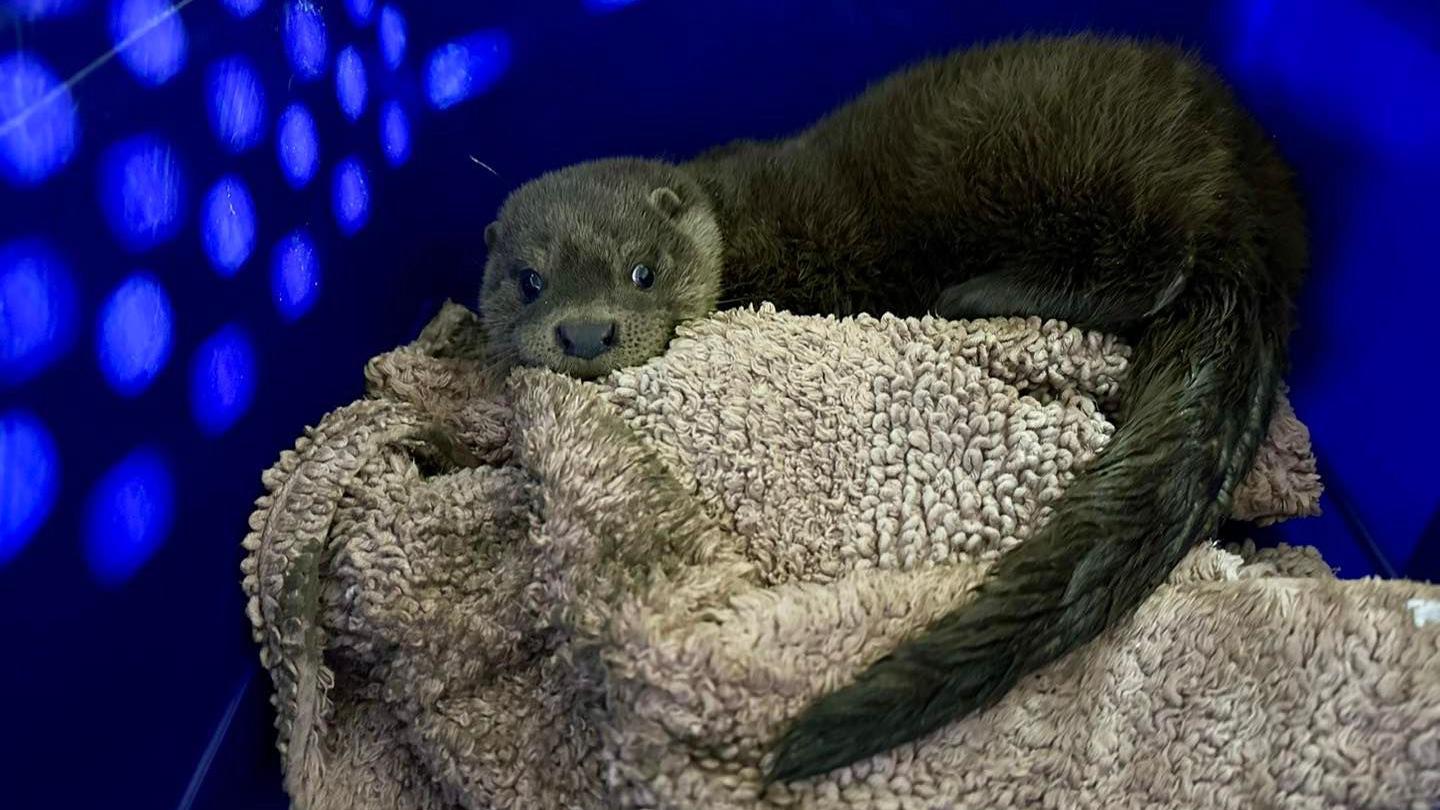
point(1105, 182)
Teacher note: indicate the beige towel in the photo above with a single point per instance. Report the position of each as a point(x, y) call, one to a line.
point(612, 594)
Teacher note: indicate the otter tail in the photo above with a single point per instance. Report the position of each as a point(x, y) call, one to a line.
point(1197, 404)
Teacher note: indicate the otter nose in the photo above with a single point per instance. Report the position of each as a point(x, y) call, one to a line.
point(586, 339)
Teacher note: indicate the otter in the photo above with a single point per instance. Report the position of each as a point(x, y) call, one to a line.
point(1112, 183)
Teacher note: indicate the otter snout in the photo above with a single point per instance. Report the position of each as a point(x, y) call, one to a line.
point(586, 340)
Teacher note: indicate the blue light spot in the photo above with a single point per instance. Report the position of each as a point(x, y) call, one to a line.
point(37, 120)
point(149, 38)
point(392, 36)
point(142, 190)
point(351, 196)
point(229, 225)
point(360, 10)
point(602, 6)
point(305, 38)
point(395, 133)
point(243, 8)
point(129, 515)
point(465, 68)
point(350, 87)
point(134, 341)
point(37, 309)
point(29, 479)
point(297, 145)
point(222, 381)
point(295, 276)
point(40, 9)
point(237, 104)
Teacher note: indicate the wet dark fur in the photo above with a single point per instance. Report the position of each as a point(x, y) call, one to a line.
point(1105, 182)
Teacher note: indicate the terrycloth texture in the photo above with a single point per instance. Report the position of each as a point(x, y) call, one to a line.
point(613, 594)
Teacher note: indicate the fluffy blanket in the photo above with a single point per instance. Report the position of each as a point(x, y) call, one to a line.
point(545, 593)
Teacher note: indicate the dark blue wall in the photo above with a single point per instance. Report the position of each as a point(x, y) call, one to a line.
point(183, 285)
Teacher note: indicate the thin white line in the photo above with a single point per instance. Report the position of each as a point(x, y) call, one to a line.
point(207, 758)
point(99, 62)
point(482, 164)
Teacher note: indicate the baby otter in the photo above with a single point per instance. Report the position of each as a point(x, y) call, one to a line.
point(591, 268)
point(1106, 182)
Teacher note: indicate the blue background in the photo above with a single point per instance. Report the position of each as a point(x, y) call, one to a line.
point(187, 279)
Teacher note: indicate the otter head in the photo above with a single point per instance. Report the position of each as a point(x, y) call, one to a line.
point(590, 268)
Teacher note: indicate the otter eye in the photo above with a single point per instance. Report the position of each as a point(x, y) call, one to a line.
point(531, 284)
point(643, 277)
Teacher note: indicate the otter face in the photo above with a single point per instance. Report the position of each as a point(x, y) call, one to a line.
point(591, 268)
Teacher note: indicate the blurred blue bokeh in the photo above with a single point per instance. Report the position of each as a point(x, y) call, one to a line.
point(297, 145)
point(134, 334)
point(38, 131)
point(237, 104)
point(149, 37)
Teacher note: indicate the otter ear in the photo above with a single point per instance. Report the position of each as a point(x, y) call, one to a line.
point(667, 202)
point(492, 232)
